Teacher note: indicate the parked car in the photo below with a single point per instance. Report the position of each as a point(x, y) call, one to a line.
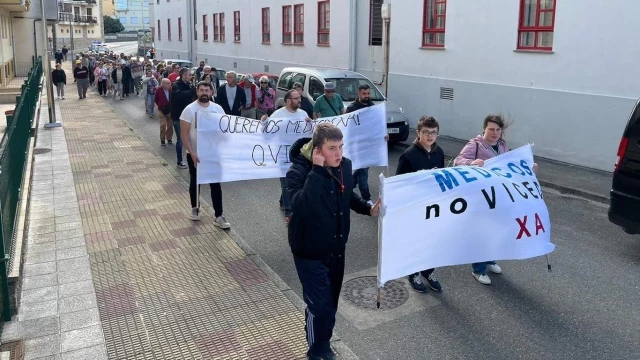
point(273, 79)
point(347, 83)
point(624, 209)
point(183, 63)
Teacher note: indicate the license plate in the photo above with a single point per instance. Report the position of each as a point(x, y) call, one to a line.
point(393, 131)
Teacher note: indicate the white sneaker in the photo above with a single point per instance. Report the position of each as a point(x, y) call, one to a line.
point(221, 222)
point(63, 98)
point(370, 202)
point(195, 214)
point(494, 268)
point(483, 279)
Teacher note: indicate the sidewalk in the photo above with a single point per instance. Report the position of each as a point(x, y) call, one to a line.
point(115, 269)
point(568, 179)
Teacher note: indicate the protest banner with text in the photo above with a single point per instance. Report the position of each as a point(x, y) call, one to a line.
point(462, 215)
point(233, 148)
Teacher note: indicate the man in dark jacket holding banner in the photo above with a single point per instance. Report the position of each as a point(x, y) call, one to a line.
point(320, 186)
point(423, 154)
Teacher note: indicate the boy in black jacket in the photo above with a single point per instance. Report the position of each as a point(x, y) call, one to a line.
point(423, 154)
point(320, 186)
point(59, 79)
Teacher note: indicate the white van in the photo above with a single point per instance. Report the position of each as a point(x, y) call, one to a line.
point(347, 83)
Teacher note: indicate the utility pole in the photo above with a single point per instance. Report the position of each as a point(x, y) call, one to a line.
point(71, 47)
point(386, 17)
point(144, 35)
point(46, 68)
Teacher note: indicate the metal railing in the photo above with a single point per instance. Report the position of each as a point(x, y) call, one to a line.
point(13, 160)
point(69, 17)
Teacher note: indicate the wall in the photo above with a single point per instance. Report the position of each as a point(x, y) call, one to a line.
point(170, 49)
point(6, 37)
point(108, 8)
point(555, 100)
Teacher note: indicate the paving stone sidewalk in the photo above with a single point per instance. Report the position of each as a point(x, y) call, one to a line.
point(143, 280)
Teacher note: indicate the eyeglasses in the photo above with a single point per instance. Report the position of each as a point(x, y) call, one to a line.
point(330, 91)
point(429, 133)
point(264, 82)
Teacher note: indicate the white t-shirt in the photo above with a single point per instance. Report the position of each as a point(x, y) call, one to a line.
point(189, 115)
point(283, 113)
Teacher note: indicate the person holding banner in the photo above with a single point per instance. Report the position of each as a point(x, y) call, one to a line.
point(320, 184)
point(477, 150)
point(291, 111)
point(188, 129)
point(423, 154)
point(361, 176)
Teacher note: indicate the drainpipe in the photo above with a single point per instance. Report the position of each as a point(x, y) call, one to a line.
point(353, 33)
point(190, 33)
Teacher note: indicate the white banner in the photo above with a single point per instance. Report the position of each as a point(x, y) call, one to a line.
point(233, 148)
point(462, 215)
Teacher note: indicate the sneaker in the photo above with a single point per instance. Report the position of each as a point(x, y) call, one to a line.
point(494, 268)
point(329, 355)
point(63, 98)
point(434, 284)
point(287, 219)
point(162, 143)
point(195, 214)
point(169, 141)
point(221, 222)
point(181, 165)
point(416, 283)
point(483, 279)
point(370, 202)
point(150, 115)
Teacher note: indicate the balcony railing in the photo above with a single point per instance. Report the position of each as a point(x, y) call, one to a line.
point(79, 2)
point(67, 17)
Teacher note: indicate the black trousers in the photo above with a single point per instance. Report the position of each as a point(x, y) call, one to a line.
point(216, 189)
point(102, 87)
point(424, 273)
point(321, 284)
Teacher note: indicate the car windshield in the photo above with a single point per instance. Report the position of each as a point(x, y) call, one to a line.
point(347, 88)
point(102, 48)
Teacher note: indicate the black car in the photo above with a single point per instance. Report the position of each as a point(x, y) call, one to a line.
point(625, 190)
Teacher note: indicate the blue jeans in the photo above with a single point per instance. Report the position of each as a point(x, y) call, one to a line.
point(284, 197)
point(361, 179)
point(176, 129)
point(150, 104)
point(481, 267)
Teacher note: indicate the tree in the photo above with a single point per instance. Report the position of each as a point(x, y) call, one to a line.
point(111, 25)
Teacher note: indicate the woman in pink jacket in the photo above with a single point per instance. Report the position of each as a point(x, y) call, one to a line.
point(477, 150)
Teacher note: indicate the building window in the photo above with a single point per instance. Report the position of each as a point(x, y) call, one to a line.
point(222, 27)
point(153, 34)
point(216, 27)
point(236, 26)
point(89, 12)
point(159, 31)
point(179, 29)
point(145, 20)
point(286, 24)
point(123, 20)
point(298, 24)
point(266, 26)
point(537, 20)
point(375, 23)
point(169, 29)
point(205, 28)
point(323, 22)
point(134, 20)
point(433, 23)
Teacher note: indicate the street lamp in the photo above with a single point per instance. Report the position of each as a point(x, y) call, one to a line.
point(46, 67)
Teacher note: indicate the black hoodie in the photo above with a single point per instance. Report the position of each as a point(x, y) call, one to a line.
point(416, 158)
point(321, 217)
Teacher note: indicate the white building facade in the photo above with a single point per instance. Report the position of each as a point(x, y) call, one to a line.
point(133, 14)
point(561, 71)
point(80, 22)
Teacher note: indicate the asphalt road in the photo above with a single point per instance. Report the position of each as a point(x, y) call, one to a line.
point(127, 47)
point(587, 308)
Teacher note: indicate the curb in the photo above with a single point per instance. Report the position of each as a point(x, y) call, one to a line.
point(562, 189)
point(339, 346)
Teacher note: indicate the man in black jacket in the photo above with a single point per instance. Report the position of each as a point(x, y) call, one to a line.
point(305, 103)
point(59, 79)
point(361, 176)
point(423, 154)
point(182, 94)
point(230, 96)
point(320, 186)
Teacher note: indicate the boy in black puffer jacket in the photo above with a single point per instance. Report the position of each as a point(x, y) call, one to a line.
point(423, 154)
point(320, 186)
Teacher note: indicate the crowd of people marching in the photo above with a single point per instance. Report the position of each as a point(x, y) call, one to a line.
point(318, 191)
